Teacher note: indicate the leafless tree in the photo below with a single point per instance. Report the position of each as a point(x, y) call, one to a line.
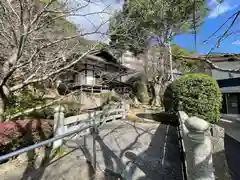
point(34, 46)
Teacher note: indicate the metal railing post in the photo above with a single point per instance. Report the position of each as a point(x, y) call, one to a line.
point(94, 134)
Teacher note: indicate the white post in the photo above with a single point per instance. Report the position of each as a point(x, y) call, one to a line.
point(123, 106)
point(58, 125)
point(198, 150)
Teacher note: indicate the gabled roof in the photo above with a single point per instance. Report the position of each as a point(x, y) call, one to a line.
point(105, 54)
point(221, 57)
point(106, 57)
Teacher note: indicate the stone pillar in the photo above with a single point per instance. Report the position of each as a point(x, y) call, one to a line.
point(182, 118)
point(198, 150)
point(58, 125)
point(124, 110)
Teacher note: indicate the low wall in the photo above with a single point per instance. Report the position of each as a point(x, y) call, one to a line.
point(63, 125)
point(197, 147)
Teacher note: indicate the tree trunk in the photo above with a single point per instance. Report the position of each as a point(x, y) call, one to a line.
point(153, 96)
point(4, 94)
point(136, 102)
point(2, 107)
point(157, 89)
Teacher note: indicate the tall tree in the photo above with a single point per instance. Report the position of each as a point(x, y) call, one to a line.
point(146, 22)
point(155, 21)
point(127, 34)
point(182, 64)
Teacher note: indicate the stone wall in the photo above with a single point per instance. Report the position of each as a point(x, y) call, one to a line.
point(203, 146)
point(197, 147)
point(218, 153)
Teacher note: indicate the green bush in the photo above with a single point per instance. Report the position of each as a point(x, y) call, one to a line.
point(110, 97)
point(196, 94)
point(23, 100)
point(26, 99)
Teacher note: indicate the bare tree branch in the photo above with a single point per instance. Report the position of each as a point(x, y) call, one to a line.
point(37, 41)
point(26, 82)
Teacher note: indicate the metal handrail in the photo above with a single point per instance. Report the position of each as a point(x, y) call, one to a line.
point(93, 124)
point(42, 143)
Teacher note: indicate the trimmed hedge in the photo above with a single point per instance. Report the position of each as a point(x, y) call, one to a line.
point(196, 94)
point(21, 133)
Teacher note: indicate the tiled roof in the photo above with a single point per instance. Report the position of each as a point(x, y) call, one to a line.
point(221, 57)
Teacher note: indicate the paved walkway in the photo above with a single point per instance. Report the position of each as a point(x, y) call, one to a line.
point(231, 124)
point(138, 151)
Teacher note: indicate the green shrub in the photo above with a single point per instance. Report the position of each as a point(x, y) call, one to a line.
point(110, 97)
point(27, 99)
point(196, 94)
point(72, 108)
point(22, 100)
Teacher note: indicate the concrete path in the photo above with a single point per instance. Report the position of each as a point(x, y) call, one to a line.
point(231, 127)
point(137, 151)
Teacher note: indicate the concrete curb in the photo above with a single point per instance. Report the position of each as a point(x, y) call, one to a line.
point(232, 117)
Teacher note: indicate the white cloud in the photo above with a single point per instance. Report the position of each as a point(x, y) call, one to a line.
point(92, 22)
point(237, 42)
point(217, 9)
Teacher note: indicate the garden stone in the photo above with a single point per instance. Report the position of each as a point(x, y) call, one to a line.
point(40, 156)
point(198, 150)
point(217, 131)
point(183, 116)
point(22, 157)
point(196, 124)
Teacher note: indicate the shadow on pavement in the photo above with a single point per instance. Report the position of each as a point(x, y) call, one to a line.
point(160, 117)
point(232, 148)
point(110, 159)
point(220, 166)
point(113, 162)
point(162, 158)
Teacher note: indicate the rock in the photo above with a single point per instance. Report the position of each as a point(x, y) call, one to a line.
point(40, 156)
point(217, 131)
point(23, 157)
point(196, 124)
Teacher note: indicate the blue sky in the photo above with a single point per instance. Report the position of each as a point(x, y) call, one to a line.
point(218, 14)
